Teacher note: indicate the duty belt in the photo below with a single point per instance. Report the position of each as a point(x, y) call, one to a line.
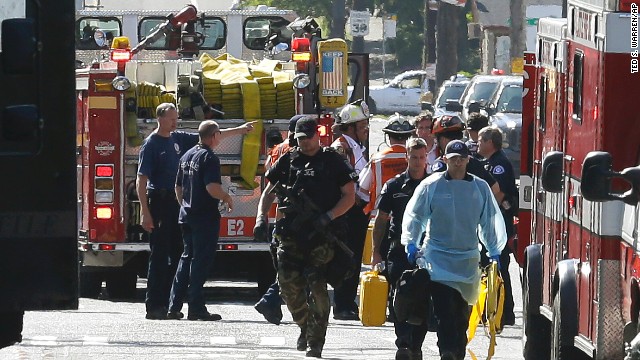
point(161, 193)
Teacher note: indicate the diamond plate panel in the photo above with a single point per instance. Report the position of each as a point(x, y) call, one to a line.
point(609, 328)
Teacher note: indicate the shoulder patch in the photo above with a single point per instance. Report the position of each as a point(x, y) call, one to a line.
point(339, 150)
point(498, 170)
point(438, 166)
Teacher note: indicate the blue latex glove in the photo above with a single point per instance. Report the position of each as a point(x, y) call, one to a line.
point(412, 251)
point(496, 258)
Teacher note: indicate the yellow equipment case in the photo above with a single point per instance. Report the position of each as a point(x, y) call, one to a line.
point(374, 291)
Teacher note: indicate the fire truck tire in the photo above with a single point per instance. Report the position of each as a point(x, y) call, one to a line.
point(90, 284)
point(564, 326)
point(536, 329)
point(121, 285)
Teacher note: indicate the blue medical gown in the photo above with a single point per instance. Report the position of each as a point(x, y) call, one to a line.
point(455, 215)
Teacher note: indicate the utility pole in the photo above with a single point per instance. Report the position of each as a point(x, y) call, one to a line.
point(357, 46)
point(337, 19)
point(446, 42)
point(517, 35)
point(430, 19)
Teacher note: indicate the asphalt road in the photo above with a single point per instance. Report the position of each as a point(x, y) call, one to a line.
point(104, 329)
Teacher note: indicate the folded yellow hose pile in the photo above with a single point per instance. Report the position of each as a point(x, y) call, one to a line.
point(150, 95)
point(232, 83)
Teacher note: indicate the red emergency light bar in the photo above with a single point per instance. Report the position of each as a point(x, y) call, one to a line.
point(120, 55)
point(106, 247)
point(300, 52)
point(104, 171)
point(229, 247)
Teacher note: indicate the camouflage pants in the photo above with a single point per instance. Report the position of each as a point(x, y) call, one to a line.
point(303, 287)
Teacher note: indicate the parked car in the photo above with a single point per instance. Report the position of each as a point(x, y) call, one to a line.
point(478, 93)
point(505, 112)
point(402, 94)
point(450, 90)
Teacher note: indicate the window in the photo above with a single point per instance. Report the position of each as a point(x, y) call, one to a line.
point(259, 30)
point(542, 104)
point(510, 100)
point(483, 91)
point(214, 32)
point(411, 83)
point(578, 68)
point(451, 92)
point(94, 33)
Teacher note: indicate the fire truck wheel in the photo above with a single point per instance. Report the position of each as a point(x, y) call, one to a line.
point(565, 327)
point(90, 284)
point(536, 337)
point(122, 284)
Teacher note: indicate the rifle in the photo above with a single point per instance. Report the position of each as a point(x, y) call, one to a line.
point(305, 211)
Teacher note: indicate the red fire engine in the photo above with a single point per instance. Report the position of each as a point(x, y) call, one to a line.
point(113, 246)
point(581, 297)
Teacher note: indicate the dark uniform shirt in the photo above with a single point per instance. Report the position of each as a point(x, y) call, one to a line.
point(199, 167)
point(475, 167)
point(159, 158)
point(394, 197)
point(321, 176)
point(501, 169)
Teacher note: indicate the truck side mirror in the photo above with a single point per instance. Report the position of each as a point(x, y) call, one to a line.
point(18, 46)
point(552, 171)
point(490, 109)
point(453, 105)
point(596, 176)
point(632, 175)
point(475, 106)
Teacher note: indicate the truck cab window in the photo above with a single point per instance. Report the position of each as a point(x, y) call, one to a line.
point(259, 30)
point(214, 32)
point(96, 33)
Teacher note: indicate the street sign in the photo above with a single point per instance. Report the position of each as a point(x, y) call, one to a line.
point(359, 21)
point(389, 28)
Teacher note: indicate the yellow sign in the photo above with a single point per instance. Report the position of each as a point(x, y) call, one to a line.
point(333, 58)
point(517, 66)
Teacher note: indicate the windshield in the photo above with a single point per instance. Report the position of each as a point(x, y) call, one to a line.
point(450, 93)
point(214, 33)
point(510, 100)
point(94, 33)
point(482, 91)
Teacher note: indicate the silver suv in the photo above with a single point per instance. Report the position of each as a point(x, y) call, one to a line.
point(505, 112)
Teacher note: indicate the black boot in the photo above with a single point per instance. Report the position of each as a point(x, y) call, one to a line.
point(301, 345)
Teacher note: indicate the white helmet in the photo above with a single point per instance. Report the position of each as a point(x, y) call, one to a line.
point(353, 112)
point(398, 124)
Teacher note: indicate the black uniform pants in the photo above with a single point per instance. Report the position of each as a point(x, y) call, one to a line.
point(452, 312)
point(165, 242)
point(407, 335)
point(344, 296)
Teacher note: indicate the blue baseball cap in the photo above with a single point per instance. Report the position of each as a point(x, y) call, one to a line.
point(456, 148)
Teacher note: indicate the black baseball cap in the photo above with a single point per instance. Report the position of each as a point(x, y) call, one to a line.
point(456, 148)
point(305, 127)
point(293, 121)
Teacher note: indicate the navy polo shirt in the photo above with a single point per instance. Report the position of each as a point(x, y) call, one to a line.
point(395, 195)
point(159, 158)
point(199, 167)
